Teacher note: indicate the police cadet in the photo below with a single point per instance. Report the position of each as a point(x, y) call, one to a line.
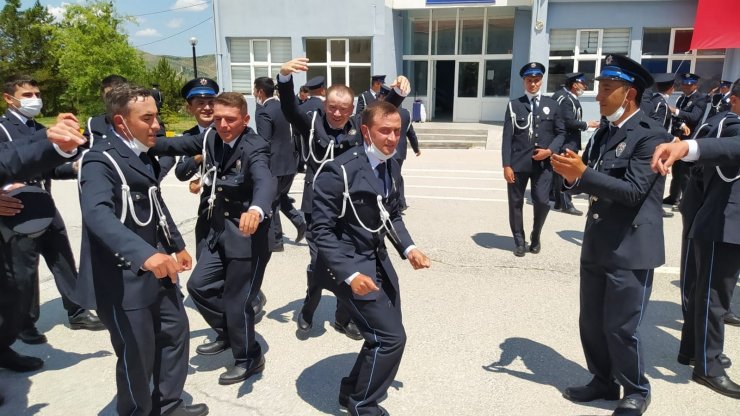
point(22, 159)
point(328, 132)
point(719, 102)
point(356, 206)
point(316, 92)
point(655, 105)
point(715, 245)
point(273, 127)
point(572, 113)
point(127, 269)
point(302, 94)
point(231, 265)
point(533, 130)
point(623, 238)
point(24, 101)
point(408, 136)
point(687, 117)
point(370, 96)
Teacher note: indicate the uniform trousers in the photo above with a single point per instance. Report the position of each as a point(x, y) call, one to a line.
point(314, 287)
point(680, 172)
point(152, 345)
point(563, 199)
point(541, 177)
point(401, 187)
point(703, 332)
point(11, 306)
point(286, 207)
point(376, 366)
point(223, 290)
point(613, 303)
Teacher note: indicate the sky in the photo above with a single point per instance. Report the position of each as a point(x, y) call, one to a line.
point(163, 27)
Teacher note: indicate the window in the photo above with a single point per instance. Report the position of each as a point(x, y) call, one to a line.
point(417, 72)
point(497, 78)
point(471, 32)
point(444, 24)
point(417, 33)
point(582, 50)
point(254, 58)
point(667, 50)
point(340, 61)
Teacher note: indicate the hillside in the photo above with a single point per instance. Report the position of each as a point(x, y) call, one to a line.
point(206, 64)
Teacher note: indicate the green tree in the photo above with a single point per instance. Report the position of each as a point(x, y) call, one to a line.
point(90, 44)
point(169, 82)
point(25, 48)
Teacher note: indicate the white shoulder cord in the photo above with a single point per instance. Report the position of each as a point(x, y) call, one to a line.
point(329, 155)
point(213, 171)
point(10, 139)
point(719, 171)
point(127, 201)
point(665, 117)
point(384, 215)
point(527, 126)
point(89, 130)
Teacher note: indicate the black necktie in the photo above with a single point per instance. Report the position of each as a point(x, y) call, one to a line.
point(146, 160)
point(381, 175)
point(535, 103)
point(31, 125)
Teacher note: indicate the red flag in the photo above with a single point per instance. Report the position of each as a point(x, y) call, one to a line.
point(715, 26)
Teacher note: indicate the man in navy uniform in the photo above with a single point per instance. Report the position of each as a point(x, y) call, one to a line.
point(623, 238)
point(351, 248)
point(273, 127)
point(408, 136)
point(687, 115)
point(533, 130)
point(127, 268)
point(719, 102)
point(572, 113)
point(23, 97)
point(231, 265)
point(316, 92)
point(370, 96)
point(328, 132)
point(22, 159)
point(715, 246)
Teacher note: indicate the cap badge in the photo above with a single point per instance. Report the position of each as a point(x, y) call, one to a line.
point(533, 65)
point(203, 81)
point(352, 132)
point(609, 59)
point(620, 148)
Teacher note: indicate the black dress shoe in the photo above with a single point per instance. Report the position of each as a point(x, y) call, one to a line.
point(632, 407)
point(278, 248)
point(349, 329)
point(731, 319)
point(238, 374)
point(722, 385)
point(675, 208)
point(573, 211)
point(304, 325)
point(301, 232)
point(534, 246)
point(212, 348)
point(592, 391)
point(200, 409)
point(723, 360)
point(86, 320)
point(667, 214)
point(19, 363)
point(519, 251)
point(32, 336)
point(669, 201)
point(259, 303)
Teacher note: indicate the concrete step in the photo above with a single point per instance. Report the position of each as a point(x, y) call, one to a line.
point(452, 144)
point(453, 131)
point(451, 136)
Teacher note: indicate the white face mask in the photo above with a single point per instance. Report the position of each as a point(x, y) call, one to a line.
point(259, 101)
point(133, 142)
point(372, 150)
point(579, 92)
point(30, 107)
point(616, 115)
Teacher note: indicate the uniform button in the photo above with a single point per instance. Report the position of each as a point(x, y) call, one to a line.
point(128, 264)
point(594, 198)
point(226, 199)
point(596, 216)
point(119, 265)
point(223, 178)
point(536, 135)
point(219, 189)
point(138, 197)
point(226, 214)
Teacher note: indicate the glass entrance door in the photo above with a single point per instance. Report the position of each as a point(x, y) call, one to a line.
point(467, 106)
point(443, 84)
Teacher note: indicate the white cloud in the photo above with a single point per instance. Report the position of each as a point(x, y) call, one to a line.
point(148, 33)
point(190, 5)
point(175, 23)
point(57, 12)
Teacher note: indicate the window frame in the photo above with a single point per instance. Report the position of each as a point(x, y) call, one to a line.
point(252, 64)
point(346, 62)
point(691, 56)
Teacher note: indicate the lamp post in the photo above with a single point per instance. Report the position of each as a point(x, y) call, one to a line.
point(193, 42)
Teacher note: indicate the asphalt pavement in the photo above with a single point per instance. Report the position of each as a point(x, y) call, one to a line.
point(488, 333)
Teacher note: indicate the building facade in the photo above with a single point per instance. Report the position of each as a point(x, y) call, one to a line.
point(462, 56)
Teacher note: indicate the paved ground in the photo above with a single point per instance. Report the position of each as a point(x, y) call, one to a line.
point(488, 333)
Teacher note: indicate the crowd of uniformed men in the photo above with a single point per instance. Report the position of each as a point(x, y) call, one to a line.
point(353, 198)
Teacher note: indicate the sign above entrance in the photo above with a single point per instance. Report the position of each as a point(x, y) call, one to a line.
point(460, 1)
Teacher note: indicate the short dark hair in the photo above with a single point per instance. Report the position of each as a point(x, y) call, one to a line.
point(111, 81)
point(382, 108)
point(303, 89)
point(11, 85)
point(340, 89)
point(266, 85)
point(118, 99)
point(232, 99)
point(736, 88)
point(663, 88)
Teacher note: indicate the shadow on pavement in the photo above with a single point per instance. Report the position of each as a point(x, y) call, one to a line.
point(490, 240)
point(324, 314)
point(318, 385)
point(571, 236)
